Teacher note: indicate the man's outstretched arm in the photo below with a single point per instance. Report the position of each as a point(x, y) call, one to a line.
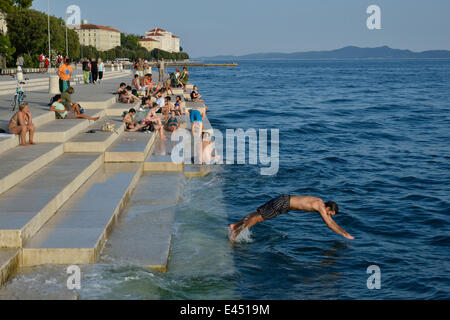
point(333, 225)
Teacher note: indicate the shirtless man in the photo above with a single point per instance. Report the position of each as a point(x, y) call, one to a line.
point(286, 203)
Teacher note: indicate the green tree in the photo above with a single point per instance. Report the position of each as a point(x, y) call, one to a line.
point(6, 50)
point(10, 5)
point(28, 30)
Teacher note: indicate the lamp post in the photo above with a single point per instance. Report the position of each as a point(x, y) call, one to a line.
point(67, 42)
point(49, 46)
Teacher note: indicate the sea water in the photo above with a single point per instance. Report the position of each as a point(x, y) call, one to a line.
point(372, 135)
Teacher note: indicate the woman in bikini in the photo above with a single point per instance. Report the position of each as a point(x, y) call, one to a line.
point(178, 109)
point(21, 123)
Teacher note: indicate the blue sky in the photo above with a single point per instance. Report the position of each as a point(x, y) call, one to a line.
point(212, 27)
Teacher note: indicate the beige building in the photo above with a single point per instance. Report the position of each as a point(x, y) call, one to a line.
point(3, 26)
point(160, 39)
point(100, 37)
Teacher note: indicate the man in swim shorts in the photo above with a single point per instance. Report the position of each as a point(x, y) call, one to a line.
point(286, 203)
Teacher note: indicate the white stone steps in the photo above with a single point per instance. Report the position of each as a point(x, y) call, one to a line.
point(25, 208)
point(21, 162)
point(64, 129)
point(144, 236)
point(155, 224)
point(9, 263)
point(131, 147)
point(77, 233)
point(96, 141)
point(117, 109)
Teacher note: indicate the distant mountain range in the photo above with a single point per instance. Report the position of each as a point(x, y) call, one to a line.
point(350, 52)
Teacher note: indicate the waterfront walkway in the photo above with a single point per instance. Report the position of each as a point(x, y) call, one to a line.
point(60, 199)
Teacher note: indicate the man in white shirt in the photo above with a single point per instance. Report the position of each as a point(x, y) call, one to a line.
point(160, 98)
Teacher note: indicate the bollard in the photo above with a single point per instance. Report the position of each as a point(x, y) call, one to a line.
point(19, 74)
point(53, 87)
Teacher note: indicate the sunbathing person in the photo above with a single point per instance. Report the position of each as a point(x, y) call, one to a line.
point(195, 96)
point(184, 77)
point(157, 89)
point(148, 85)
point(127, 97)
point(167, 108)
point(122, 87)
point(74, 109)
point(208, 148)
point(136, 83)
point(58, 108)
point(172, 122)
point(168, 86)
point(178, 109)
point(155, 120)
point(21, 123)
point(130, 125)
point(160, 98)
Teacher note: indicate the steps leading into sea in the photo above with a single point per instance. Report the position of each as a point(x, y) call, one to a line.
point(77, 233)
point(25, 208)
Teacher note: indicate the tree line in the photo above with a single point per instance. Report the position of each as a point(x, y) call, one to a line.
point(28, 37)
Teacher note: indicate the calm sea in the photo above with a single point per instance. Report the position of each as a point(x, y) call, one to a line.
point(371, 135)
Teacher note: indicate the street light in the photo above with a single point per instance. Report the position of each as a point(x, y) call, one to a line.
point(49, 47)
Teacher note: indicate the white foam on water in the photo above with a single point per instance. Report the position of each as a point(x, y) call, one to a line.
point(244, 237)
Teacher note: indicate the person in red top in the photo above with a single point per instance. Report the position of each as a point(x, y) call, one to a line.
point(47, 64)
point(41, 63)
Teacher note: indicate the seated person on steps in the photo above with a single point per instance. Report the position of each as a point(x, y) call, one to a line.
point(21, 123)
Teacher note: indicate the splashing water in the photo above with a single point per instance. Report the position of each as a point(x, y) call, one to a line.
point(244, 237)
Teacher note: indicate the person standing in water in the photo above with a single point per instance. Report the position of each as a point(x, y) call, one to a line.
point(286, 203)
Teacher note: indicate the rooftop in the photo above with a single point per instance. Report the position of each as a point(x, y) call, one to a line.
point(95, 26)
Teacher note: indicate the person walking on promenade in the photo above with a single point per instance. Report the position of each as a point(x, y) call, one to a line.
point(94, 70)
point(41, 63)
point(47, 64)
point(65, 75)
point(20, 62)
point(161, 66)
point(286, 203)
point(101, 67)
point(86, 70)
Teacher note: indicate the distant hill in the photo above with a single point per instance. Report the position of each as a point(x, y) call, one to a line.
point(350, 52)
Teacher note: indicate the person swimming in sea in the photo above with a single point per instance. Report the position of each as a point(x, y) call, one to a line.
point(286, 203)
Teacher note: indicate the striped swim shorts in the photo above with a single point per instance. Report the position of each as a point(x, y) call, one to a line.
point(275, 207)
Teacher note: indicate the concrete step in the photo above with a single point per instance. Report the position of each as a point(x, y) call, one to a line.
point(131, 147)
point(149, 222)
point(9, 263)
point(98, 141)
point(154, 225)
point(63, 130)
point(77, 233)
point(196, 171)
point(166, 189)
point(21, 162)
point(117, 109)
point(160, 159)
point(96, 105)
point(8, 142)
point(25, 208)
